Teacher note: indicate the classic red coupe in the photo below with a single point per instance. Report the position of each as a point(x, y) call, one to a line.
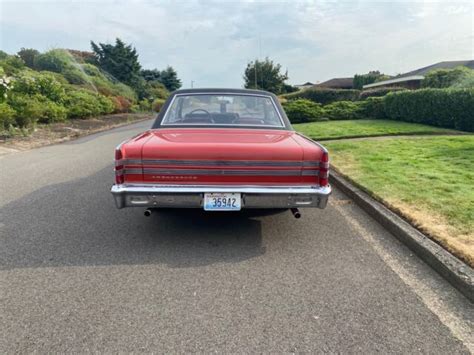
point(221, 150)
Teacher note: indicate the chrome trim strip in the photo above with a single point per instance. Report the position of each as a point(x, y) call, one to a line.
point(310, 172)
point(219, 162)
point(149, 171)
point(133, 171)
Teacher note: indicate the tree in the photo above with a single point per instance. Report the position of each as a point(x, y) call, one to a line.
point(364, 79)
point(168, 77)
point(28, 55)
point(119, 60)
point(265, 75)
point(151, 74)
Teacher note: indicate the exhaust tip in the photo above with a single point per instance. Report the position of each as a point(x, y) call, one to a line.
point(296, 213)
point(147, 212)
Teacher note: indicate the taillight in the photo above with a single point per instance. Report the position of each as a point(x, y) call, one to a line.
point(324, 170)
point(119, 176)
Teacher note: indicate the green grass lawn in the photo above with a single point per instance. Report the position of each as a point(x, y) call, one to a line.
point(429, 180)
point(365, 128)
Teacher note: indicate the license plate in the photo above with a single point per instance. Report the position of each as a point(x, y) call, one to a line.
point(222, 201)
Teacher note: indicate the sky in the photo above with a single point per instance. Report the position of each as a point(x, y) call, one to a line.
point(210, 42)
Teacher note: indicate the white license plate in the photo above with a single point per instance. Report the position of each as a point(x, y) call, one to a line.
point(222, 201)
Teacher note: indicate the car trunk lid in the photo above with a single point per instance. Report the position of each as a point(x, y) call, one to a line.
point(223, 156)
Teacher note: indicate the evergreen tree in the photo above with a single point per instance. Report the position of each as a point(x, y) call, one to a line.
point(265, 75)
point(119, 60)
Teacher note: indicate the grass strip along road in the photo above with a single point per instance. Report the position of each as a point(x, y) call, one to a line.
point(366, 128)
point(428, 180)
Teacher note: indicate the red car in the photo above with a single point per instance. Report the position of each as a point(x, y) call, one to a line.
point(221, 150)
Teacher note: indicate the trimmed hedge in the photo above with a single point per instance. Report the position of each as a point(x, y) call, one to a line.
point(449, 108)
point(373, 107)
point(378, 92)
point(324, 96)
point(299, 111)
point(343, 110)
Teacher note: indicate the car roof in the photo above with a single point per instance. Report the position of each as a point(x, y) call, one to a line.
point(221, 90)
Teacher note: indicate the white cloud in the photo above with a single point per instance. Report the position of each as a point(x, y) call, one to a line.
point(210, 42)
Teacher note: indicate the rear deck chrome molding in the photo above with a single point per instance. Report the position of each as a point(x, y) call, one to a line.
point(220, 172)
point(191, 196)
point(256, 163)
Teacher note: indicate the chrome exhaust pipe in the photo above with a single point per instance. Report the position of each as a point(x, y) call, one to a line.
point(147, 212)
point(296, 213)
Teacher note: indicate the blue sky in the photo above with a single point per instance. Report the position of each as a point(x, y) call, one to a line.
point(210, 42)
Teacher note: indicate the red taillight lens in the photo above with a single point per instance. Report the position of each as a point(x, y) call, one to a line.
point(324, 170)
point(119, 177)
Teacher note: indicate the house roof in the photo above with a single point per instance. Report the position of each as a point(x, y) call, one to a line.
point(418, 74)
point(337, 83)
point(441, 65)
point(394, 81)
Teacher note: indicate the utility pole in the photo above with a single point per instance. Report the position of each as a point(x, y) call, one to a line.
point(192, 84)
point(256, 74)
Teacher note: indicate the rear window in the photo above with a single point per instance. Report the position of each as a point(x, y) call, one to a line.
point(222, 109)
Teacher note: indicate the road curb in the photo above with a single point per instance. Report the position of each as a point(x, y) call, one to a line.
point(455, 271)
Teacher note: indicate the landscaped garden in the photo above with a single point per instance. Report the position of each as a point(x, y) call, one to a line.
point(410, 149)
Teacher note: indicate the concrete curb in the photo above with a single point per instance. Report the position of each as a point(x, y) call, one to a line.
point(455, 271)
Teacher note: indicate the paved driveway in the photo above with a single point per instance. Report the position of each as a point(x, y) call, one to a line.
point(78, 275)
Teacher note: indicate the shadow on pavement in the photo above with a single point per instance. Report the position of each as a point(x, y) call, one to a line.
point(76, 223)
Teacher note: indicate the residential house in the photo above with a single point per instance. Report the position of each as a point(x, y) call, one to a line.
point(412, 79)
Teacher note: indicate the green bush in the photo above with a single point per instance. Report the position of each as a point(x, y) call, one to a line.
point(372, 107)
point(83, 104)
point(444, 78)
point(145, 105)
point(343, 110)
point(27, 109)
point(302, 110)
point(324, 96)
point(449, 108)
point(106, 104)
point(378, 92)
point(157, 104)
point(34, 83)
point(7, 116)
point(12, 64)
point(55, 60)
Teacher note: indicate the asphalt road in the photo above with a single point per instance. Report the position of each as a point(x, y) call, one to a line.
point(78, 275)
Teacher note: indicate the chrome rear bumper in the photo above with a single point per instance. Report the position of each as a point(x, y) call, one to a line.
point(192, 196)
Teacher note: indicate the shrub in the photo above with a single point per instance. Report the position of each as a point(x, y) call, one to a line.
point(28, 55)
point(324, 96)
point(449, 108)
point(106, 104)
point(372, 107)
point(50, 111)
point(299, 111)
point(27, 109)
point(343, 110)
point(144, 105)
point(7, 116)
point(75, 76)
point(444, 78)
point(378, 92)
point(12, 64)
point(34, 83)
point(55, 60)
point(83, 104)
point(157, 104)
